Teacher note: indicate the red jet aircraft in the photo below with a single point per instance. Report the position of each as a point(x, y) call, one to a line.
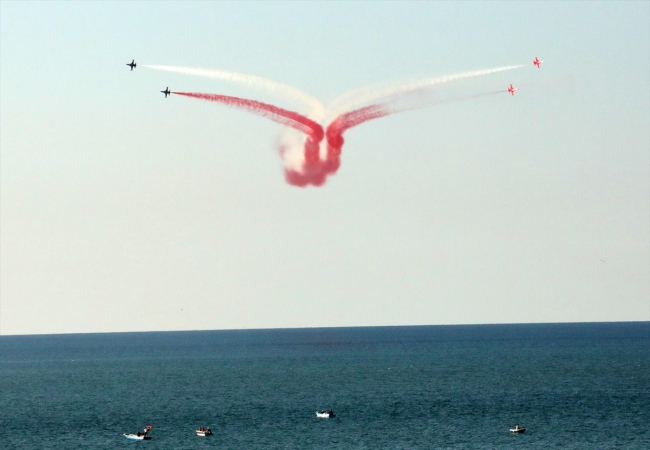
point(537, 62)
point(512, 89)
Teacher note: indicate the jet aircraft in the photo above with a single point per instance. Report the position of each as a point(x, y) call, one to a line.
point(537, 62)
point(133, 65)
point(166, 92)
point(512, 89)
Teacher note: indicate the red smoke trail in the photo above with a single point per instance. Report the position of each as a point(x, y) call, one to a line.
point(335, 130)
point(279, 115)
point(346, 121)
point(315, 170)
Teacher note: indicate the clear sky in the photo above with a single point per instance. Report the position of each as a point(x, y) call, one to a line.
point(125, 211)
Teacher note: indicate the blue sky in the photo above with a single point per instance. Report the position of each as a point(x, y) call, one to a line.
point(118, 205)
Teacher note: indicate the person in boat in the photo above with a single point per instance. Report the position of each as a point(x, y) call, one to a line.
point(516, 426)
point(208, 431)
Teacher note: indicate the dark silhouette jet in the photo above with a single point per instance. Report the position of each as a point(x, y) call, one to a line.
point(166, 92)
point(133, 65)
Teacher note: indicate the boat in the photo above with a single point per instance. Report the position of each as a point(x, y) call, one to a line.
point(141, 435)
point(138, 437)
point(204, 432)
point(516, 429)
point(325, 414)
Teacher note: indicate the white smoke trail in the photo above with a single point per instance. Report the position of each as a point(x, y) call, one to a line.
point(378, 92)
point(398, 105)
point(317, 108)
point(291, 144)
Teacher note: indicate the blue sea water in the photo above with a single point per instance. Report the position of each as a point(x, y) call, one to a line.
point(573, 386)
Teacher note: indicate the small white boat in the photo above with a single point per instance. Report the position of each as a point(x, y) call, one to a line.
point(137, 437)
point(516, 429)
point(325, 414)
point(141, 436)
point(204, 432)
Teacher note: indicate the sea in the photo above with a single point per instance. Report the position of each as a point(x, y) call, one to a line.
point(572, 386)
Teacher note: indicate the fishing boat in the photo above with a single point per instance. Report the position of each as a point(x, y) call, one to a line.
point(516, 429)
point(137, 437)
point(204, 432)
point(325, 414)
point(141, 435)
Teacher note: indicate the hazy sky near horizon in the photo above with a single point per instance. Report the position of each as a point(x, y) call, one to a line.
point(124, 211)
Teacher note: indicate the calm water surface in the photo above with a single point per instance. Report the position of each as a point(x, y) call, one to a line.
point(581, 386)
